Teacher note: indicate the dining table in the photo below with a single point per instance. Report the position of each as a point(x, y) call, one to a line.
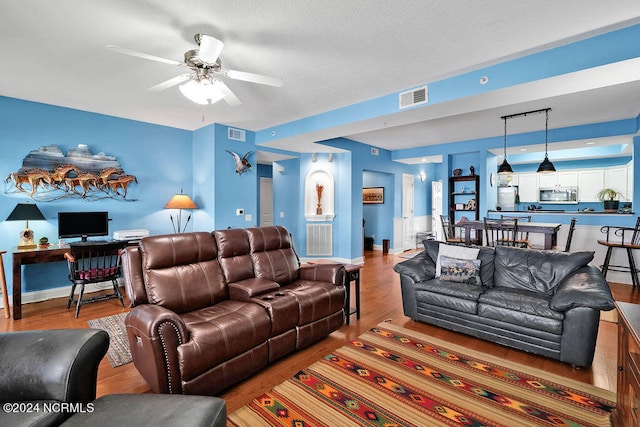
point(549, 229)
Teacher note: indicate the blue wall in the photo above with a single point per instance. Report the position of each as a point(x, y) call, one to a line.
point(160, 157)
point(379, 217)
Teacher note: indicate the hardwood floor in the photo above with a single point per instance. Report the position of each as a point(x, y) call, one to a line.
point(380, 293)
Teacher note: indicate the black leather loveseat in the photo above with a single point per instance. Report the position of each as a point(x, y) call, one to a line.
point(543, 302)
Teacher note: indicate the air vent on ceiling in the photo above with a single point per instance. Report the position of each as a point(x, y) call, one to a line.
point(413, 97)
point(237, 134)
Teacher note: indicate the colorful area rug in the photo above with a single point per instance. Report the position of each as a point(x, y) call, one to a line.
point(119, 353)
point(391, 376)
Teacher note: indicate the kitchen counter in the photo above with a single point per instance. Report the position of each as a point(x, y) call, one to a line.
point(560, 212)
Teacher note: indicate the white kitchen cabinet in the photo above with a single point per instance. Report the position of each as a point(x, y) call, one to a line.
point(548, 180)
point(590, 181)
point(617, 179)
point(528, 187)
point(558, 179)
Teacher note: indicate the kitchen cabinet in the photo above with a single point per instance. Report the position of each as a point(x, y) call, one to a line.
point(528, 187)
point(617, 179)
point(590, 181)
point(558, 179)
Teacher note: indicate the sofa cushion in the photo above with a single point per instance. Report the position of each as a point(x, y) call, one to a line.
point(181, 271)
point(460, 270)
point(316, 300)
point(454, 289)
point(485, 256)
point(234, 254)
point(273, 255)
point(219, 333)
point(536, 270)
point(452, 295)
point(534, 303)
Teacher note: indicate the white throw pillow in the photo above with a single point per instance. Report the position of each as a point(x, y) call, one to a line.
point(453, 251)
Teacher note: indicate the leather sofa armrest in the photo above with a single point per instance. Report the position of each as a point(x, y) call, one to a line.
point(246, 289)
point(154, 335)
point(586, 287)
point(332, 273)
point(59, 364)
point(131, 262)
point(420, 268)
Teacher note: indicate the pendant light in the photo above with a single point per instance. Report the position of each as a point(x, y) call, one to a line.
point(546, 165)
point(505, 167)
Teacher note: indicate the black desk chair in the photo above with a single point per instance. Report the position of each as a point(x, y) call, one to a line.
point(629, 240)
point(499, 232)
point(94, 263)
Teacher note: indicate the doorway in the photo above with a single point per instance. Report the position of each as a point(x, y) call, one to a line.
point(408, 236)
point(436, 209)
point(266, 201)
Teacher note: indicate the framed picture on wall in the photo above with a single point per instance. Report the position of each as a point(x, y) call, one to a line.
point(373, 195)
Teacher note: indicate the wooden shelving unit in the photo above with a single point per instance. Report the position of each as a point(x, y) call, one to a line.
point(462, 189)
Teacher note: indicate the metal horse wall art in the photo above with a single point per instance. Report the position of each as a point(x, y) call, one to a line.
point(47, 174)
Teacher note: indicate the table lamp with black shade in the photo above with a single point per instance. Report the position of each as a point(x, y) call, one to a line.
point(26, 212)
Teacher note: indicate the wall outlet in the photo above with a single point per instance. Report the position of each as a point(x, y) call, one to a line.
point(248, 217)
point(282, 214)
point(239, 212)
point(373, 236)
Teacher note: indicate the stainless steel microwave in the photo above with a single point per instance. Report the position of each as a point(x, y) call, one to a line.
point(565, 195)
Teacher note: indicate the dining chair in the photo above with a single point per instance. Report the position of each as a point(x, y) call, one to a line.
point(572, 227)
point(627, 238)
point(522, 238)
point(499, 232)
point(450, 232)
point(94, 263)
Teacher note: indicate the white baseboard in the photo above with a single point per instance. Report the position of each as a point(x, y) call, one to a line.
point(46, 294)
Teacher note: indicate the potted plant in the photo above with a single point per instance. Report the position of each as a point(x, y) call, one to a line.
point(610, 199)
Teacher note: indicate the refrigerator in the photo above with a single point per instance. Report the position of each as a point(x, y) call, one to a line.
point(507, 198)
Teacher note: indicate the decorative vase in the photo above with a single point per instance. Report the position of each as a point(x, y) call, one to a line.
point(319, 189)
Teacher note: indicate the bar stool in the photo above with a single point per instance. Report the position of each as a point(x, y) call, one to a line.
point(630, 241)
point(3, 286)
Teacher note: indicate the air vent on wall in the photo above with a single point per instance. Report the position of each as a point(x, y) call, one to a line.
point(237, 134)
point(414, 97)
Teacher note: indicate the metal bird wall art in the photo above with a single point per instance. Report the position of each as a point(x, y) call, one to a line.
point(242, 163)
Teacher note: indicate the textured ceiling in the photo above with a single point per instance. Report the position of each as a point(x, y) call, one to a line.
point(329, 54)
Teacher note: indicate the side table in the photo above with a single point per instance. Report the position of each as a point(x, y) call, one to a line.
point(353, 275)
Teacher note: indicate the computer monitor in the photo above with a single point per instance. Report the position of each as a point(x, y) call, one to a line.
point(82, 224)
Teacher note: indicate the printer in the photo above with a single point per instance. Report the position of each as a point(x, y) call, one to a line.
point(131, 236)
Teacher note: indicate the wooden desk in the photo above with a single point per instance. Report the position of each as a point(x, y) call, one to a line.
point(550, 230)
point(31, 256)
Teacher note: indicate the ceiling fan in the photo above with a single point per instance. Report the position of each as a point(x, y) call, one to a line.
point(203, 84)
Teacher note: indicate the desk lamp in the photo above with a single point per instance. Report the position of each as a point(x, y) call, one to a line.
point(180, 202)
point(26, 212)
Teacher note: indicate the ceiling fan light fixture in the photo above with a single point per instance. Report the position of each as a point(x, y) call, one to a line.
point(202, 92)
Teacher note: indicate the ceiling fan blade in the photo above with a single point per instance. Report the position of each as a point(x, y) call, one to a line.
point(229, 97)
point(168, 83)
point(253, 78)
point(137, 54)
point(210, 49)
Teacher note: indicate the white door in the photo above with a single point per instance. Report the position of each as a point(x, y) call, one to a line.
point(436, 209)
point(266, 201)
point(408, 237)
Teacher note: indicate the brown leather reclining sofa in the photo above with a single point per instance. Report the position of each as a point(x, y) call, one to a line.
point(211, 309)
